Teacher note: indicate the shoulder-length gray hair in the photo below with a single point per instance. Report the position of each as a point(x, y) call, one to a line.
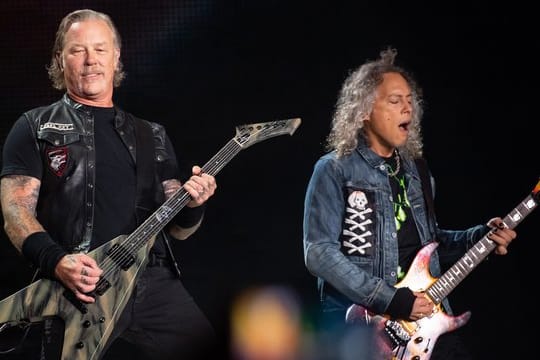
point(55, 70)
point(356, 100)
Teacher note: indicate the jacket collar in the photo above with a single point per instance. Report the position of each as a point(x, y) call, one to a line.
point(369, 155)
point(72, 103)
point(119, 119)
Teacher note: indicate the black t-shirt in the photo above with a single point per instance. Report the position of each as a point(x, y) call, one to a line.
point(408, 238)
point(116, 181)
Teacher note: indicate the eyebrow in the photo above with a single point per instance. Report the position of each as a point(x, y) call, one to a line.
point(83, 45)
point(400, 96)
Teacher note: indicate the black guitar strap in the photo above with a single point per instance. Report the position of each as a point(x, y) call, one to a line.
point(146, 169)
point(145, 166)
point(422, 168)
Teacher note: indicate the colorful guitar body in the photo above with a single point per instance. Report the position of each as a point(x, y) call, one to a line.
point(406, 339)
point(415, 340)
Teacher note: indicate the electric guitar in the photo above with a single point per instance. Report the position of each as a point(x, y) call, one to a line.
point(415, 340)
point(122, 259)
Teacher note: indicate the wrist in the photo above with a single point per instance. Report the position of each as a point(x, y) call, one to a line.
point(189, 217)
point(402, 303)
point(43, 252)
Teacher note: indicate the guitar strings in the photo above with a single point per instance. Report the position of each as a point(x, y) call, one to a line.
point(138, 238)
point(111, 264)
point(123, 255)
point(477, 253)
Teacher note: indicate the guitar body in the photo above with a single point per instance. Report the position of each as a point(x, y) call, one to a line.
point(410, 339)
point(87, 326)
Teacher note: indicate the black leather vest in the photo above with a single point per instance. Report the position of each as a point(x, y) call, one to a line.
point(65, 137)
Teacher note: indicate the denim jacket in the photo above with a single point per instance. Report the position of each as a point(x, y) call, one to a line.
point(350, 237)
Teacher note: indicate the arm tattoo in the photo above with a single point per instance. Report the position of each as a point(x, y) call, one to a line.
point(72, 259)
point(171, 187)
point(19, 196)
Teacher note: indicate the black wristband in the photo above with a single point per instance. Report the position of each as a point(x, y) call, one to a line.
point(188, 217)
point(43, 252)
point(401, 305)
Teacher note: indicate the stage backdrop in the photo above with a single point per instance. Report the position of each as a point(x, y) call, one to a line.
point(203, 67)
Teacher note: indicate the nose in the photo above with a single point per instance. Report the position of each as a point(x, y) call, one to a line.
point(91, 57)
point(407, 107)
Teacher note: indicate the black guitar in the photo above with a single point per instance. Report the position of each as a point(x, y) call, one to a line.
point(88, 326)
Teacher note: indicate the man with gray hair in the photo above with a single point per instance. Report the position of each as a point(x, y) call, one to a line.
point(367, 213)
point(80, 174)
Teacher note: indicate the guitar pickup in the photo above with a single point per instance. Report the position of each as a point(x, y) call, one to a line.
point(101, 287)
point(121, 256)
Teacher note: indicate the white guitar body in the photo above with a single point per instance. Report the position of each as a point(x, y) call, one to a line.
point(415, 340)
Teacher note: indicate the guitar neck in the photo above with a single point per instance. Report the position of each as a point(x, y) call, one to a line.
point(475, 255)
point(168, 210)
point(246, 135)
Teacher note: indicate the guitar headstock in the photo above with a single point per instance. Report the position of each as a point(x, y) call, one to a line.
point(249, 134)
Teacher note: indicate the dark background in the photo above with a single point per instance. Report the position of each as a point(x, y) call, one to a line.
point(203, 67)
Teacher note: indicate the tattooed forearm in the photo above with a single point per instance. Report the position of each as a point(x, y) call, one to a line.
point(24, 191)
point(19, 196)
point(170, 187)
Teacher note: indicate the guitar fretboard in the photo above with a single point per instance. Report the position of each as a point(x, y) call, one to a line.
point(168, 210)
point(246, 135)
point(474, 256)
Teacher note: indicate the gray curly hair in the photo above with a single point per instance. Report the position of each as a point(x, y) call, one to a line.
point(355, 102)
point(55, 70)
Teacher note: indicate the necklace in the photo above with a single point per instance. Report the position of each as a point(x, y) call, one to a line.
point(394, 172)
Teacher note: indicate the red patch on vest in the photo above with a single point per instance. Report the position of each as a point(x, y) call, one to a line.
point(58, 158)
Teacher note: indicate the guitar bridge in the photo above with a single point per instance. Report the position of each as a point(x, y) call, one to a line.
point(396, 333)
